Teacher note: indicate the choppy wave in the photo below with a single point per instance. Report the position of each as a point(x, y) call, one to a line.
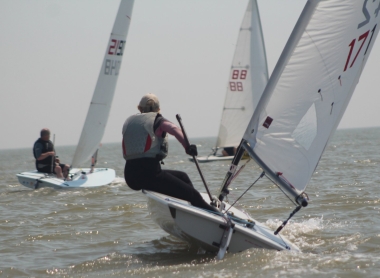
point(107, 231)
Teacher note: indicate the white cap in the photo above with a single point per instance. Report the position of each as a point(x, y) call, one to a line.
point(149, 103)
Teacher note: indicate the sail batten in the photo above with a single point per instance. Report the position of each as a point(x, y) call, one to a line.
point(310, 89)
point(100, 104)
point(248, 77)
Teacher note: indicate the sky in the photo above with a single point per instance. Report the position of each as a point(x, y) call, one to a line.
point(180, 50)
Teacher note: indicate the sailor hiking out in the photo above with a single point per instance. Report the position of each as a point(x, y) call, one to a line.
point(145, 146)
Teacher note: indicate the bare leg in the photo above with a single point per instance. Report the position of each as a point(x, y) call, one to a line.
point(66, 170)
point(58, 172)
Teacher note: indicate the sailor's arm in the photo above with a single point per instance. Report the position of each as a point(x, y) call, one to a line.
point(174, 130)
point(38, 152)
point(45, 155)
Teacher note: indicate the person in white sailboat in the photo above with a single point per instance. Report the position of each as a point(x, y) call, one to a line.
point(229, 151)
point(43, 151)
point(145, 146)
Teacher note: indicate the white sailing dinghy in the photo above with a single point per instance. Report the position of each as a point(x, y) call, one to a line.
point(247, 80)
point(296, 117)
point(96, 119)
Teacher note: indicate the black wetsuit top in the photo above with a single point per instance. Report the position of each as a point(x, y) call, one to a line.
point(40, 147)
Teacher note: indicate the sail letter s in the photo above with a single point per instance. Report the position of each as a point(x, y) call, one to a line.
point(366, 14)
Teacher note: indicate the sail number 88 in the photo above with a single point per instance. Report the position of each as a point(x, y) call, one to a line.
point(237, 74)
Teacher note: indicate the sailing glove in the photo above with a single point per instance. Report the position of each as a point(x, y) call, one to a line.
point(192, 150)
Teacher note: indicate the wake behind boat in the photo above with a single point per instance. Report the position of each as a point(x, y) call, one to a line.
point(97, 117)
point(295, 119)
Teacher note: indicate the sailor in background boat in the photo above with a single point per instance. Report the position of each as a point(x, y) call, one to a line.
point(229, 151)
point(145, 146)
point(43, 151)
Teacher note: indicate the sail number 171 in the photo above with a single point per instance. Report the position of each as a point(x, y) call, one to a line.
point(361, 39)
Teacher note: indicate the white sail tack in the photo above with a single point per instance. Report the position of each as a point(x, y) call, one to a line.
point(310, 88)
point(247, 80)
point(100, 106)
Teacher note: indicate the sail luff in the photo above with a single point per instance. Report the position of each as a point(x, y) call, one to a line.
point(97, 116)
point(248, 77)
point(272, 83)
point(259, 64)
point(277, 71)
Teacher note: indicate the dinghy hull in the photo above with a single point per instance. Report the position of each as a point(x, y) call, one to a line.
point(81, 178)
point(210, 158)
point(205, 229)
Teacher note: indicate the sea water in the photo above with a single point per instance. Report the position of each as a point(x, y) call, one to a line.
point(107, 231)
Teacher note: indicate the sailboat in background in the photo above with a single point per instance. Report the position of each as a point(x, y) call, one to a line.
point(295, 119)
point(96, 119)
point(247, 80)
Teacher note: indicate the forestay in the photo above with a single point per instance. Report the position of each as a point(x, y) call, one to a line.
point(310, 88)
point(248, 77)
point(100, 105)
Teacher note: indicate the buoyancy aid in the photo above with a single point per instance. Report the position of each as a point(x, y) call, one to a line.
point(47, 146)
point(139, 139)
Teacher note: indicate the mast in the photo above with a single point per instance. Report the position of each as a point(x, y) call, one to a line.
point(100, 105)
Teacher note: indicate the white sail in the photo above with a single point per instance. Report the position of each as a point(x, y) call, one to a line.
point(248, 77)
point(100, 105)
point(310, 88)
